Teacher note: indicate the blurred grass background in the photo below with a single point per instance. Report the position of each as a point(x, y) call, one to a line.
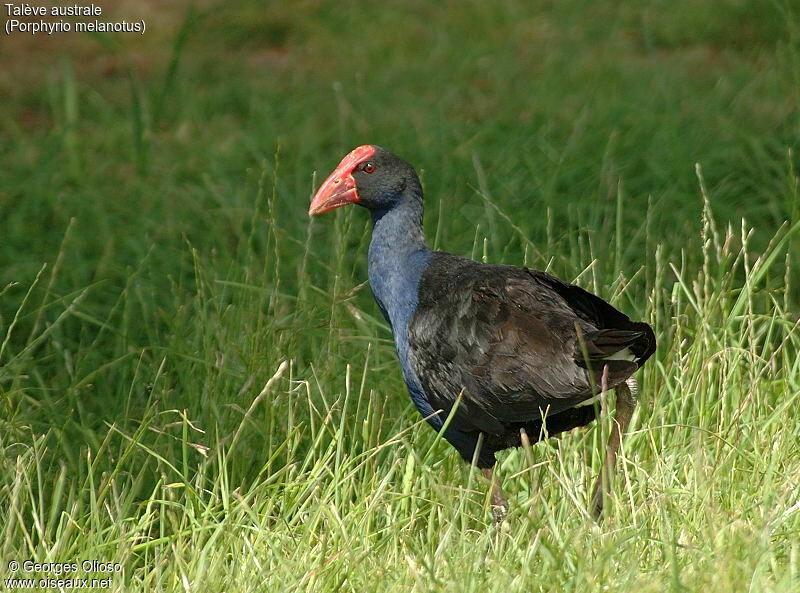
point(157, 265)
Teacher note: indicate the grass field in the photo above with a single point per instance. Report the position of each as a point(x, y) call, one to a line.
point(196, 384)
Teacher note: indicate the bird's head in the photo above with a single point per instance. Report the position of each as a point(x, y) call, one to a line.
point(369, 176)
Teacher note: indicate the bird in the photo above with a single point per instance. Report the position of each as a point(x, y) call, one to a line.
point(494, 356)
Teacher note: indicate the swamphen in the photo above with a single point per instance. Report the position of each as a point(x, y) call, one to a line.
point(522, 352)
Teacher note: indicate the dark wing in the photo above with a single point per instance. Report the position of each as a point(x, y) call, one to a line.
point(516, 343)
point(599, 313)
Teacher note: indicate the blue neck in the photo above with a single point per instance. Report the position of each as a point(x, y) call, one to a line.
point(397, 258)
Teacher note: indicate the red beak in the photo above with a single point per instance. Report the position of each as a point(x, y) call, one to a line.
point(339, 189)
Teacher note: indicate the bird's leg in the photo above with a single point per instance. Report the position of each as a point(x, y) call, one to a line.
point(626, 403)
point(498, 499)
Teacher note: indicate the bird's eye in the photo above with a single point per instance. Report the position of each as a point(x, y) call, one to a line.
point(368, 168)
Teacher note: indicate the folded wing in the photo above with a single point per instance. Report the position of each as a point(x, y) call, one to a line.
point(515, 343)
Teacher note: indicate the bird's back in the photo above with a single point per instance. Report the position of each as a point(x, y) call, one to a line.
point(517, 343)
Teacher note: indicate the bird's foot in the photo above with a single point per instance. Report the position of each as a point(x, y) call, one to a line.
point(499, 512)
point(498, 500)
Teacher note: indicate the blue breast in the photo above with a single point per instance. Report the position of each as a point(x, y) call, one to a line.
point(394, 279)
point(398, 258)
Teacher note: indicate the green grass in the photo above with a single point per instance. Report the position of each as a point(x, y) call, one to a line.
point(196, 384)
